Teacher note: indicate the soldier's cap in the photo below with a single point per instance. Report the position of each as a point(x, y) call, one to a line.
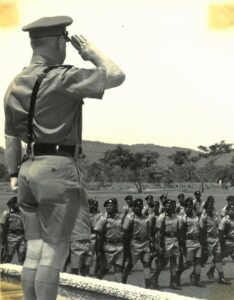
point(196, 193)
point(181, 196)
point(163, 196)
point(169, 201)
point(149, 197)
point(91, 201)
point(48, 26)
point(128, 197)
point(230, 206)
point(12, 201)
point(188, 200)
point(230, 198)
point(95, 202)
point(209, 200)
point(137, 201)
point(109, 201)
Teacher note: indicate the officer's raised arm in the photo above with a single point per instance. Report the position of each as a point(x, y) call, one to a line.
point(114, 75)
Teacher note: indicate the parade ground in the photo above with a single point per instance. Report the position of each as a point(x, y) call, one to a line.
point(212, 291)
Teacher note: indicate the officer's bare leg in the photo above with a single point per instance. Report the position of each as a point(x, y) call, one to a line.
point(162, 262)
point(53, 256)
point(29, 270)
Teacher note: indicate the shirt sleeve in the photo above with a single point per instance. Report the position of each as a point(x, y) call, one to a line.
point(126, 223)
point(159, 222)
point(99, 225)
point(85, 83)
point(3, 217)
point(222, 224)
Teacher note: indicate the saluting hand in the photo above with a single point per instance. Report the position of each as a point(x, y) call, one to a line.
point(14, 184)
point(86, 50)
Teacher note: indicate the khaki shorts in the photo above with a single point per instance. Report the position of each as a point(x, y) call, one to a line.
point(171, 247)
point(113, 254)
point(193, 249)
point(81, 253)
point(140, 250)
point(49, 192)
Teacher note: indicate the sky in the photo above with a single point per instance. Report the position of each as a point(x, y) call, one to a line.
point(178, 57)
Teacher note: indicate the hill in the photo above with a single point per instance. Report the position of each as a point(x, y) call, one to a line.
point(95, 150)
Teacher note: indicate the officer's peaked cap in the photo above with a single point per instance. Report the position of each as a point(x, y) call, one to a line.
point(168, 201)
point(230, 198)
point(149, 197)
point(180, 196)
point(197, 193)
point(91, 201)
point(12, 201)
point(163, 196)
point(48, 26)
point(137, 201)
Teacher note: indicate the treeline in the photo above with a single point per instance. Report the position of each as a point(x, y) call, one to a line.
point(123, 165)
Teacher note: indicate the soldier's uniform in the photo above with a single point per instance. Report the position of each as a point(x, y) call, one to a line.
point(198, 203)
point(190, 236)
point(109, 227)
point(127, 208)
point(226, 227)
point(149, 207)
point(137, 227)
point(209, 224)
point(12, 221)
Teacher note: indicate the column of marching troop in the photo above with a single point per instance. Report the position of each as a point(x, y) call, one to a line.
point(183, 233)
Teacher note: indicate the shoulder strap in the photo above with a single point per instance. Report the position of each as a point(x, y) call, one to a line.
point(33, 101)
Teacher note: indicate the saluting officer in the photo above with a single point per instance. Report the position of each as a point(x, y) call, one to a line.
point(149, 207)
point(43, 108)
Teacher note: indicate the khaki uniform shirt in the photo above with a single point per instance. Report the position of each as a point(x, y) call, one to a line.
point(58, 110)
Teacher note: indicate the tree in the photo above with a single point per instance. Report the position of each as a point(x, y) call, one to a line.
point(214, 151)
point(132, 163)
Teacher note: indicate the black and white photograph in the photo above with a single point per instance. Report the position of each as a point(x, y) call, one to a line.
point(116, 150)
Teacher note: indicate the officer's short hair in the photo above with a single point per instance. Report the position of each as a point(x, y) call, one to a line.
point(137, 201)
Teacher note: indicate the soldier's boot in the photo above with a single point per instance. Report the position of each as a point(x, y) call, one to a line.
point(192, 277)
point(148, 283)
point(178, 279)
point(210, 273)
point(222, 280)
point(154, 280)
point(197, 281)
point(174, 283)
point(74, 271)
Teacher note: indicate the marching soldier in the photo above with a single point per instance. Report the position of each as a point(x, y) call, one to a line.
point(209, 225)
point(94, 215)
point(110, 241)
point(226, 232)
point(230, 200)
point(198, 203)
point(137, 230)
point(12, 232)
point(162, 199)
point(167, 226)
point(149, 207)
point(127, 208)
point(190, 243)
point(180, 208)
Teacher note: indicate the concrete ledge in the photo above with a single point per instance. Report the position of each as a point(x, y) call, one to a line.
point(88, 284)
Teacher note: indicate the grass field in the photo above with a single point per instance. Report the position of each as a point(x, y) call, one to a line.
point(213, 291)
